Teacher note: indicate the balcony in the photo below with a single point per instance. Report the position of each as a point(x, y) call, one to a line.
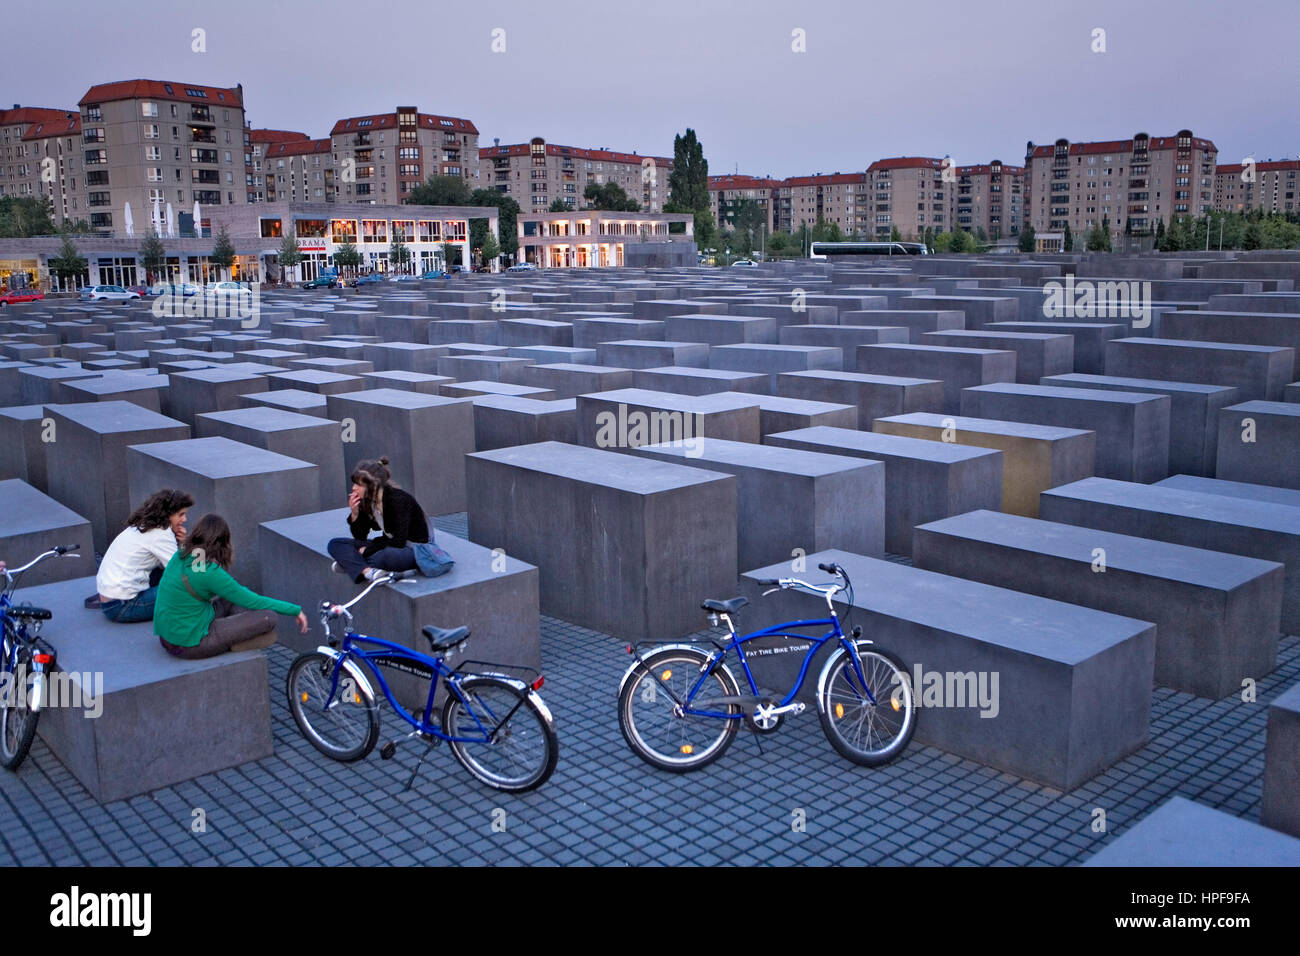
point(1138, 183)
point(201, 114)
point(361, 139)
point(202, 136)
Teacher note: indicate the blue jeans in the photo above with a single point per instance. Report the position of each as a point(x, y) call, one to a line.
point(139, 608)
point(347, 552)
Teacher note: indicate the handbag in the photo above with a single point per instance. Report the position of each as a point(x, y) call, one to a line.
point(431, 559)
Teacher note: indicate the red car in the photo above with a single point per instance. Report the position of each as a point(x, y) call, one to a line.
point(20, 295)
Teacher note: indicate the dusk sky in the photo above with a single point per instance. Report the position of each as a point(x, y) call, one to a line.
point(970, 80)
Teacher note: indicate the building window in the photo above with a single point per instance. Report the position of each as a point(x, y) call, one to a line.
point(153, 153)
point(148, 109)
point(96, 156)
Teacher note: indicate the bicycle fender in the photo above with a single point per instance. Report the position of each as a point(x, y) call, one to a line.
point(37, 699)
point(654, 650)
point(831, 661)
point(353, 671)
point(519, 685)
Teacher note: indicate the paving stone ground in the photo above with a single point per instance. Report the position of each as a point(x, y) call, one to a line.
point(604, 806)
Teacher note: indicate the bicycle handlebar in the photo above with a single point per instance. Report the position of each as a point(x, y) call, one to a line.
point(61, 550)
point(330, 611)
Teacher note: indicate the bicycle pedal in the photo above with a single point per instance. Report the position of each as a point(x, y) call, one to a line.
point(387, 751)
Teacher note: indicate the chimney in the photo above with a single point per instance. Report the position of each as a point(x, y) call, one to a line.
point(496, 140)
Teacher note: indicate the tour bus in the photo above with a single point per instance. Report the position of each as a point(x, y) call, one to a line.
point(823, 250)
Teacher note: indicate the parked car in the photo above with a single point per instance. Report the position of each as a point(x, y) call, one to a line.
point(142, 290)
point(745, 263)
point(522, 267)
point(433, 274)
point(176, 289)
point(107, 293)
point(372, 279)
point(457, 269)
point(20, 295)
point(321, 282)
point(406, 278)
point(482, 268)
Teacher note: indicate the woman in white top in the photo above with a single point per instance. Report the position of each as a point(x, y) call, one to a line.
point(128, 575)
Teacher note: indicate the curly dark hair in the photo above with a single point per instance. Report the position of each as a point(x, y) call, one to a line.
point(158, 509)
point(211, 538)
point(373, 475)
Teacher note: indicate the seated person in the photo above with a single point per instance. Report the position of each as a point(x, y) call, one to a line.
point(201, 611)
point(378, 505)
point(128, 575)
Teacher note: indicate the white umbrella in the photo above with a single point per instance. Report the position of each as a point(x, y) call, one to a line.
point(155, 218)
point(198, 220)
point(171, 221)
point(130, 223)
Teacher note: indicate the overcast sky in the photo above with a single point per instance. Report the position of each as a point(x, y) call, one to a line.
point(878, 78)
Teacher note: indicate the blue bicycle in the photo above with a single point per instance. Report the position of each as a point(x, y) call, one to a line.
point(495, 723)
point(27, 659)
point(680, 706)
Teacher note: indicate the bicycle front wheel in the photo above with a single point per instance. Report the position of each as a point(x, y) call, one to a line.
point(520, 754)
point(649, 718)
point(344, 727)
point(17, 719)
point(868, 730)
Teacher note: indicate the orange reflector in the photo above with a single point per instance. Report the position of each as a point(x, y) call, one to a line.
point(667, 675)
point(839, 710)
point(894, 701)
point(688, 749)
point(356, 698)
point(304, 697)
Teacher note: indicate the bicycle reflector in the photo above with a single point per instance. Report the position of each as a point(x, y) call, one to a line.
point(839, 711)
point(667, 675)
point(537, 684)
point(688, 749)
point(42, 658)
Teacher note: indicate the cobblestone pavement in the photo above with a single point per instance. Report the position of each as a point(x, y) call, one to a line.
point(604, 806)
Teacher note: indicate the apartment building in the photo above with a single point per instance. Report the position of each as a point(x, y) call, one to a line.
point(727, 192)
point(1268, 185)
point(840, 198)
point(258, 141)
point(300, 171)
point(1134, 183)
point(382, 157)
point(536, 173)
point(17, 175)
point(989, 198)
point(53, 159)
point(154, 141)
point(910, 194)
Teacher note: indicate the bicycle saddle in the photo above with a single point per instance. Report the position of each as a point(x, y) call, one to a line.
point(444, 639)
point(29, 612)
point(725, 607)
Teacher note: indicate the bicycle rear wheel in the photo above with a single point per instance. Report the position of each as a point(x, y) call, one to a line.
point(521, 754)
point(868, 732)
point(348, 728)
point(648, 717)
point(17, 719)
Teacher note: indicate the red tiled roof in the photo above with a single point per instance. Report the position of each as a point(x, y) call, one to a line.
point(1156, 143)
point(905, 162)
point(389, 121)
point(986, 168)
point(297, 148)
point(276, 136)
point(724, 183)
point(158, 90)
point(1268, 165)
point(831, 180)
point(62, 124)
point(31, 114)
point(554, 149)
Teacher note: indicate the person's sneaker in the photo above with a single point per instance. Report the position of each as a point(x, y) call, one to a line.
point(93, 603)
point(334, 566)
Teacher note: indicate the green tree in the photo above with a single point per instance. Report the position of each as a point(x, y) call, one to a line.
point(399, 253)
point(25, 216)
point(223, 251)
point(347, 256)
point(490, 249)
point(895, 235)
point(290, 255)
point(558, 205)
point(450, 255)
point(962, 241)
point(153, 253)
point(981, 237)
point(824, 231)
point(1028, 241)
point(942, 242)
point(781, 244)
point(1069, 239)
point(441, 191)
point(68, 263)
point(1160, 234)
point(610, 197)
point(688, 187)
point(507, 218)
point(1253, 237)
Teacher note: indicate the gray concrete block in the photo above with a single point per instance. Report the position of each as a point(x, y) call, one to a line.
point(1258, 372)
point(1132, 428)
point(305, 437)
point(1090, 339)
point(1182, 833)
point(311, 380)
point(698, 381)
point(243, 484)
point(568, 380)
point(1217, 615)
point(875, 396)
point(720, 329)
point(1256, 529)
point(632, 353)
point(1073, 691)
point(22, 450)
point(916, 321)
point(980, 311)
point(775, 359)
point(626, 418)
point(1232, 489)
point(30, 524)
point(792, 502)
point(846, 338)
point(291, 399)
point(1037, 353)
point(924, 480)
point(780, 414)
point(489, 368)
point(957, 368)
point(425, 438)
point(87, 461)
point(624, 545)
point(503, 421)
point(1280, 803)
point(190, 394)
point(1259, 443)
point(1193, 414)
point(404, 356)
point(590, 333)
point(474, 389)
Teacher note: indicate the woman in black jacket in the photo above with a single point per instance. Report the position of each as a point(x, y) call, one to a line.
point(379, 505)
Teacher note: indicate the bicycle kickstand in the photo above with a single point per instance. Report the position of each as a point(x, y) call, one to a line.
point(416, 769)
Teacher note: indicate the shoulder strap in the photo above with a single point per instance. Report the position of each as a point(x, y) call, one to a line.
point(185, 580)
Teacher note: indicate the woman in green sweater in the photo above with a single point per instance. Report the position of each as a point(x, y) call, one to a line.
point(201, 611)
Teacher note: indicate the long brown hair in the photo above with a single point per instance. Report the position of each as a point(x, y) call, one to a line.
point(373, 475)
point(158, 508)
point(211, 539)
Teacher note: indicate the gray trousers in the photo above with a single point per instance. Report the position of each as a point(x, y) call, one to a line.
point(232, 625)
